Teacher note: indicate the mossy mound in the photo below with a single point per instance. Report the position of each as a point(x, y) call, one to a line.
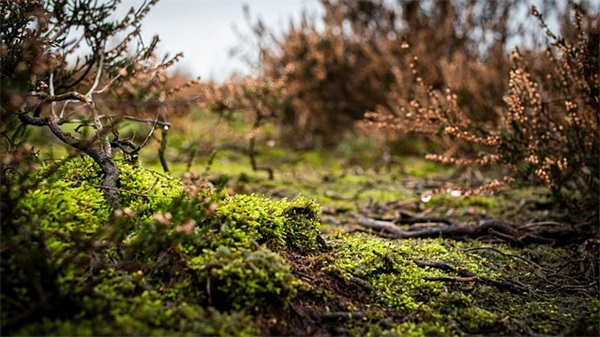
point(244, 279)
point(171, 263)
point(65, 211)
point(145, 315)
point(277, 224)
point(165, 264)
point(446, 287)
point(139, 189)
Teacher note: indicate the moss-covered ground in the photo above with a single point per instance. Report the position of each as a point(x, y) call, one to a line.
point(228, 252)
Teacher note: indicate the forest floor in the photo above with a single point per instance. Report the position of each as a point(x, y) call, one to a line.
point(396, 260)
point(392, 259)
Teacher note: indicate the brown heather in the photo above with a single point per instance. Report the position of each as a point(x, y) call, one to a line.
point(349, 60)
point(104, 85)
point(443, 73)
point(34, 65)
point(546, 134)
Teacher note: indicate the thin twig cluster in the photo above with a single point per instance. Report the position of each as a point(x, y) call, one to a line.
point(548, 131)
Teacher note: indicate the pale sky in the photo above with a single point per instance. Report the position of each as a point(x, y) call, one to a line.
point(204, 30)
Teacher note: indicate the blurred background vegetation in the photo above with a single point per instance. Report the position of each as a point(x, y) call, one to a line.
point(442, 80)
point(433, 65)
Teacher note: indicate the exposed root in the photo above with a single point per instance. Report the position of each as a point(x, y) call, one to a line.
point(498, 229)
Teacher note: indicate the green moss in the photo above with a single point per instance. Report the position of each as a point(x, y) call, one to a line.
point(302, 222)
point(405, 329)
point(138, 188)
point(66, 211)
point(68, 204)
point(244, 279)
point(314, 158)
point(142, 189)
point(132, 272)
point(421, 168)
point(146, 315)
point(391, 194)
point(248, 217)
point(482, 202)
point(398, 276)
point(210, 265)
point(247, 220)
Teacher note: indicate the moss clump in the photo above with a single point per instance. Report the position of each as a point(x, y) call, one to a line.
point(414, 276)
point(165, 264)
point(65, 211)
point(302, 223)
point(244, 279)
point(144, 315)
point(246, 220)
point(142, 190)
point(68, 204)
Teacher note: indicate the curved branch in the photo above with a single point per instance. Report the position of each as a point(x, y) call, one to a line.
point(103, 159)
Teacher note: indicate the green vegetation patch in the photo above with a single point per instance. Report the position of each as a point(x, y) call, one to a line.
point(449, 287)
point(139, 189)
point(244, 279)
point(165, 264)
point(480, 202)
point(144, 315)
point(278, 224)
point(64, 211)
point(169, 263)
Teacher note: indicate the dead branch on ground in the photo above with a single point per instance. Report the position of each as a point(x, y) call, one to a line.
point(499, 229)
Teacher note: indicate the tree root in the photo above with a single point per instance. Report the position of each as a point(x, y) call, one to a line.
point(409, 219)
point(495, 228)
point(464, 275)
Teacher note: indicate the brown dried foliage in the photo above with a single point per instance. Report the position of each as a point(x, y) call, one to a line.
point(547, 132)
point(105, 84)
point(348, 60)
point(125, 79)
point(260, 99)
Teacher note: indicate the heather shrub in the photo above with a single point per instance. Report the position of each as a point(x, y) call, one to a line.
point(86, 103)
point(547, 133)
point(259, 101)
point(346, 61)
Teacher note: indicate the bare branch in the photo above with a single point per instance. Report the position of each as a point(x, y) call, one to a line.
point(101, 157)
point(163, 148)
point(72, 95)
point(98, 75)
point(105, 88)
point(149, 121)
point(381, 225)
point(51, 89)
point(149, 135)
